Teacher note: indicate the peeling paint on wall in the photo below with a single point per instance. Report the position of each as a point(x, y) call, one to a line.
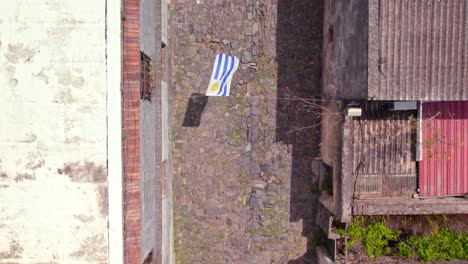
point(84, 172)
point(103, 200)
point(84, 218)
point(18, 53)
point(92, 248)
point(60, 34)
point(13, 82)
point(14, 252)
point(24, 176)
point(42, 76)
point(10, 73)
point(69, 78)
point(73, 140)
point(64, 96)
point(53, 158)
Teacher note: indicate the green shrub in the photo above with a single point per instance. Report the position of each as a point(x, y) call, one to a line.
point(404, 250)
point(354, 231)
point(375, 236)
point(441, 245)
point(376, 239)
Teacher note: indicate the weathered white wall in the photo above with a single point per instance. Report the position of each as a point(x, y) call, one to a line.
point(53, 174)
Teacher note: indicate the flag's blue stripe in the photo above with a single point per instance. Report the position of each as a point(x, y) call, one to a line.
point(224, 82)
point(219, 59)
point(225, 72)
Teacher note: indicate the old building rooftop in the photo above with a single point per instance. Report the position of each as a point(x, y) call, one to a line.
point(383, 152)
point(418, 50)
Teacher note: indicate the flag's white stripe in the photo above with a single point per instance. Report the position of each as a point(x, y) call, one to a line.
point(232, 64)
point(229, 66)
point(223, 72)
point(228, 82)
point(217, 62)
point(217, 67)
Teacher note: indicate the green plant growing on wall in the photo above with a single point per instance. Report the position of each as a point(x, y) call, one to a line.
point(354, 231)
point(376, 239)
point(404, 250)
point(441, 245)
point(375, 236)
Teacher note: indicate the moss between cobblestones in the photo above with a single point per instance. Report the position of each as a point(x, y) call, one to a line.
point(236, 135)
point(275, 228)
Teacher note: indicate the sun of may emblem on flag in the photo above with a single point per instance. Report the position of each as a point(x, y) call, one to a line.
point(223, 70)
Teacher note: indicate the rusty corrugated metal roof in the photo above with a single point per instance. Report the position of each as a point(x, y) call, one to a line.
point(444, 168)
point(418, 50)
point(384, 152)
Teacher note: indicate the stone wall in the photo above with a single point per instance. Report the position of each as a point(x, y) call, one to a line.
point(53, 183)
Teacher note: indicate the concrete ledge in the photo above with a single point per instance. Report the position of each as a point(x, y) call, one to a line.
point(324, 220)
point(323, 257)
point(409, 206)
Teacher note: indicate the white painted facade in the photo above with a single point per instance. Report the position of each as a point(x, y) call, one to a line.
point(56, 88)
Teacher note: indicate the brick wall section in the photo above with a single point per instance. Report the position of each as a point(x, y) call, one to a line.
point(131, 129)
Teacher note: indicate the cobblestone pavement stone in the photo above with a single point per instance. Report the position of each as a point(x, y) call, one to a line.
point(244, 187)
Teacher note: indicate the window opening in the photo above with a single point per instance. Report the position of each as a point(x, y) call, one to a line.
point(146, 77)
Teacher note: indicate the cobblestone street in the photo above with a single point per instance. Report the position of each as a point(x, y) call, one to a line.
point(245, 191)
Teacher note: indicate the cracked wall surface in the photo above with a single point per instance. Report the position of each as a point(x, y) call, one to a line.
point(53, 171)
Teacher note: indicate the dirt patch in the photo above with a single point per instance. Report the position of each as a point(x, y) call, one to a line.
point(84, 172)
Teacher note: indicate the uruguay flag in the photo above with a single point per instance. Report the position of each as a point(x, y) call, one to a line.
point(223, 70)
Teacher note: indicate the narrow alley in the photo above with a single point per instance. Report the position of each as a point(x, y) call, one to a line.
point(245, 191)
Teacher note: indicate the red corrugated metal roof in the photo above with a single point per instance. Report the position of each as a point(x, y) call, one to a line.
point(444, 166)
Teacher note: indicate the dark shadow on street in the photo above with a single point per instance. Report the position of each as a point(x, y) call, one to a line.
point(298, 52)
point(195, 107)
